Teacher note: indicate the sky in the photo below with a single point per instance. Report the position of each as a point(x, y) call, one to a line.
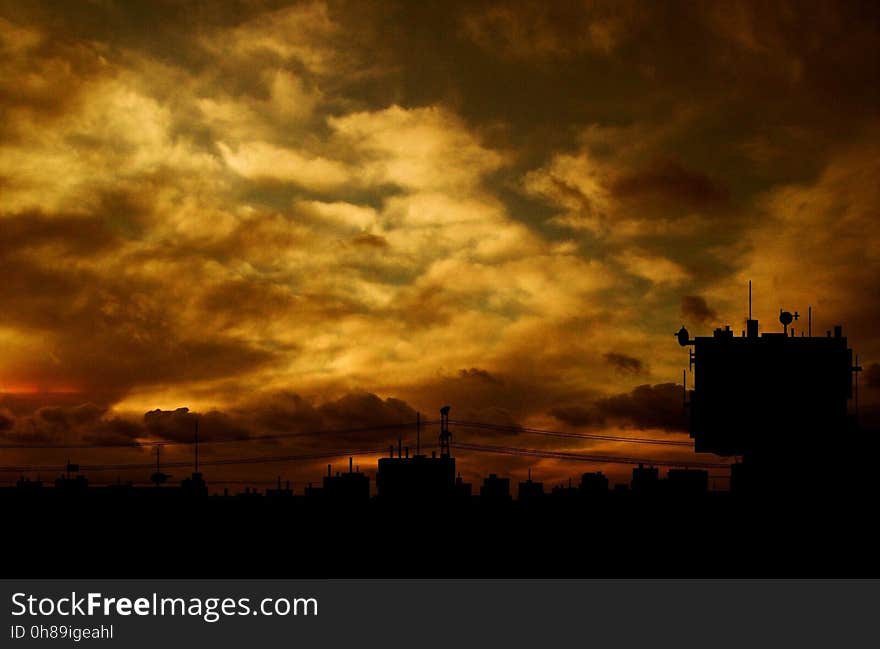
point(320, 215)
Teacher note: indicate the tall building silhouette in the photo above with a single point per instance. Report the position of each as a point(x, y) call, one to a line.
point(779, 400)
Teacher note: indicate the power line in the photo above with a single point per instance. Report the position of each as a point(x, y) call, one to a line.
point(363, 429)
point(586, 457)
point(216, 440)
point(558, 433)
point(178, 464)
point(479, 448)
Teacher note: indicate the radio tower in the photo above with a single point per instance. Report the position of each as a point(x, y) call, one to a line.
point(445, 435)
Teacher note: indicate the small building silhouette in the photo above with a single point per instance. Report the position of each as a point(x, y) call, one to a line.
point(645, 479)
point(72, 485)
point(593, 485)
point(405, 478)
point(351, 488)
point(461, 490)
point(495, 490)
point(530, 492)
point(194, 486)
point(564, 493)
point(280, 493)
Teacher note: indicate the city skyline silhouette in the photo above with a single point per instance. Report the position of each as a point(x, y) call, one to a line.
point(624, 243)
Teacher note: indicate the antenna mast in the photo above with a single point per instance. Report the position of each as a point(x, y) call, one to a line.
point(197, 445)
point(445, 435)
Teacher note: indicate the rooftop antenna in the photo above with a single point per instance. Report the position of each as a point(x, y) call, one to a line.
point(158, 477)
point(445, 435)
point(197, 445)
point(810, 321)
point(751, 325)
point(418, 433)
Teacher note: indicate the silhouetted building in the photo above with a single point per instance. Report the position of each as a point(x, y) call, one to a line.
point(593, 485)
point(645, 479)
point(280, 493)
point(415, 478)
point(461, 490)
point(423, 478)
point(564, 493)
point(772, 398)
point(687, 482)
point(77, 484)
point(313, 494)
point(530, 492)
point(194, 486)
point(248, 495)
point(352, 488)
point(495, 490)
point(28, 484)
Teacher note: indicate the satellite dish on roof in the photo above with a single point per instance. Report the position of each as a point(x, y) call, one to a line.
point(684, 337)
point(786, 318)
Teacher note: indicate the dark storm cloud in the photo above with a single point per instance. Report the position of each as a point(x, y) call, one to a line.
point(84, 423)
point(577, 415)
point(624, 363)
point(370, 240)
point(30, 87)
point(695, 307)
point(271, 413)
point(65, 234)
point(558, 30)
point(668, 180)
point(647, 406)
point(176, 424)
point(253, 299)
point(114, 340)
point(478, 374)
point(113, 430)
point(180, 425)
point(288, 412)
point(68, 418)
point(366, 409)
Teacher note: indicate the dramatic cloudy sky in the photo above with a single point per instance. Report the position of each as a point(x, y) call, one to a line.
point(322, 214)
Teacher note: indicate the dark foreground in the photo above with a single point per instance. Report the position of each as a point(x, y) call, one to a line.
point(713, 535)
